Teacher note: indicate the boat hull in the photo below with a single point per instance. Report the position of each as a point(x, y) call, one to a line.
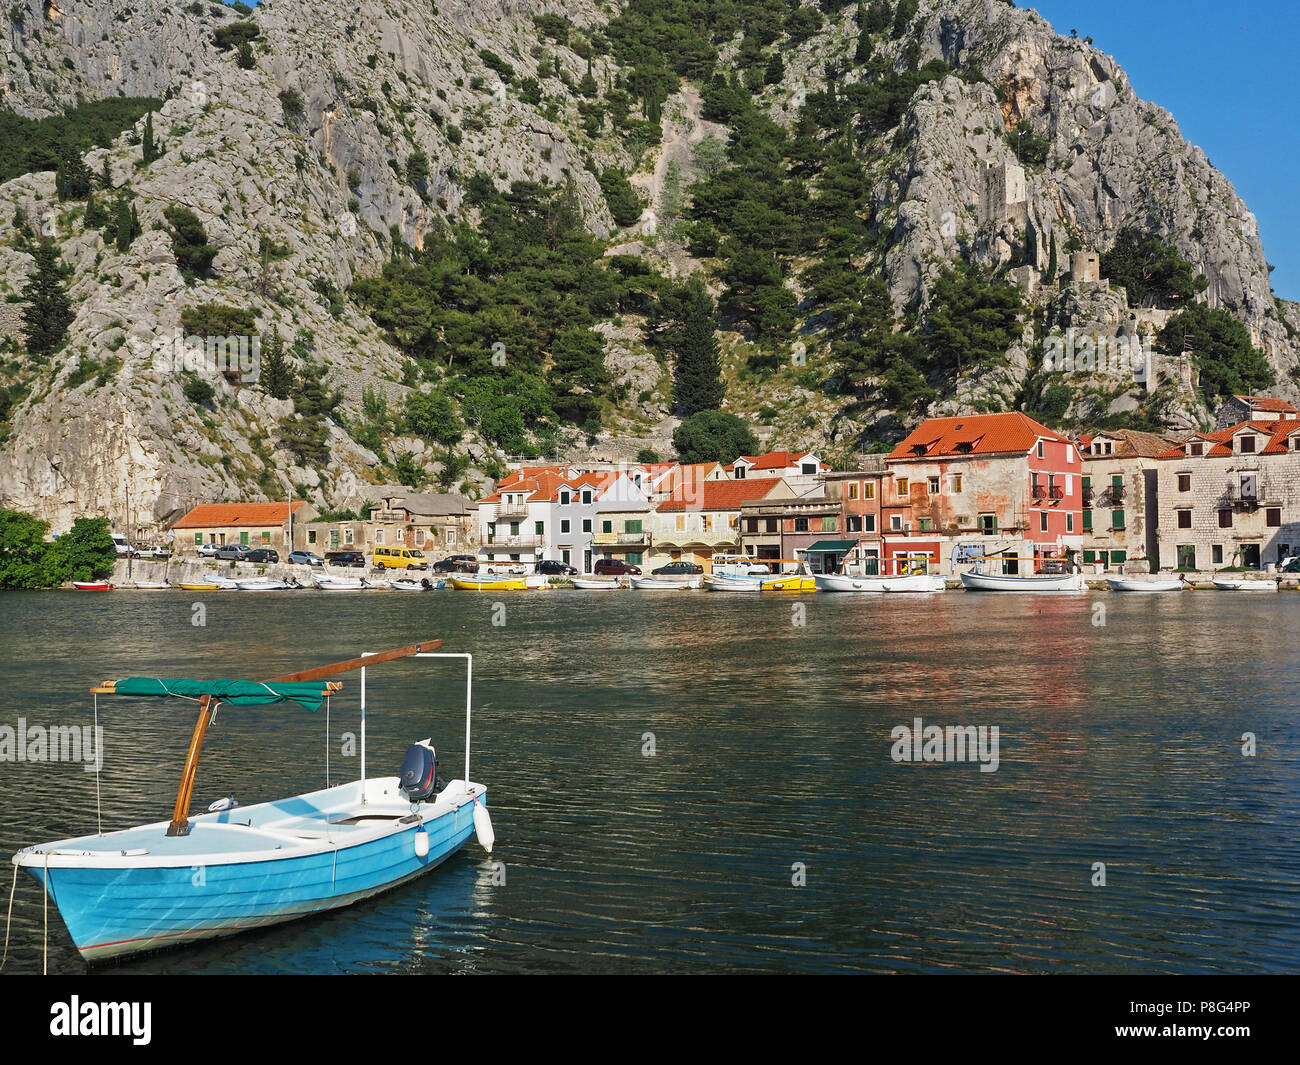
point(590, 584)
point(92, 586)
point(652, 584)
point(840, 582)
point(121, 904)
point(1228, 585)
point(470, 584)
point(916, 583)
point(1006, 582)
point(1132, 584)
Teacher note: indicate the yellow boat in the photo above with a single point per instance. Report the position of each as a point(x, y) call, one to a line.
point(201, 587)
point(793, 583)
point(473, 584)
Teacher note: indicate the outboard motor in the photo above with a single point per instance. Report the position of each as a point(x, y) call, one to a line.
point(419, 779)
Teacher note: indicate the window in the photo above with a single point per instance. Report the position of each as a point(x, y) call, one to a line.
point(681, 522)
point(564, 499)
point(740, 473)
point(606, 526)
point(1247, 445)
point(853, 523)
point(334, 537)
point(586, 497)
point(1117, 519)
point(539, 528)
point(1040, 449)
point(896, 522)
point(1216, 555)
point(1042, 521)
point(1069, 521)
point(902, 487)
point(514, 528)
point(924, 524)
point(773, 525)
point(379, 533)
point(564, 525)
point(800, 524)
point(348, 538)
point(808, 469)
point(869, 523)
point(311, 536)
point(988, 524)
point(1186, 556)
point(586, 525)
point(853, 490)
point(1225, 519)
point(1273, 517)
point(1087, 521)
point(449, 535)
point(634, 558)
point(1184, 519)
point(1184, 482)
point(934, 486)
point(198, 539)
point(1118, 558)
point(869, 490)
point(830, 524)
point(956, 482)
point(419, 538)
point(633, 525)
point(1247, 486)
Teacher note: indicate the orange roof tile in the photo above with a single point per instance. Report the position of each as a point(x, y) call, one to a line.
point(1221, 439)
point(986, 434)
point(243, 515)
point(1269, 403)
point(719, 495)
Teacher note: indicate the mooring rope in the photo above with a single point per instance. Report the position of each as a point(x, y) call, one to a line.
point(99, 759)
point(12, 888)
point(327, 741)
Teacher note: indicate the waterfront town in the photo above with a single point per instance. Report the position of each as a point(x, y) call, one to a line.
point(998, 487)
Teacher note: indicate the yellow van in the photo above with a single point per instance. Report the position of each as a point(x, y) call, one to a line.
point(399, 558)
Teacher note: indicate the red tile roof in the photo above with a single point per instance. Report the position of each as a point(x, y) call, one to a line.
point(986, 434)
point(719, 495)
point(1268, 403)
point(237, 515)
point(1221, 439)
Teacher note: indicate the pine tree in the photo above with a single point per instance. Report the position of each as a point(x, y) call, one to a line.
point(105, 175)
point(1051, 260)
point(276, 375)
point(48, 313)
point(96, 214)
point(149, 149)
point(863, 51)
point(126, 225)
point(72, 179)
point(698, 385)
point(244, 58)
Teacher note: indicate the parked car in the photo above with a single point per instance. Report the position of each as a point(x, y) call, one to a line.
point(305, 558)
point(554, 568)
point(207, 550)
point(235, 552)
point(456, 564)
point(263, 554)
point(673, 569)
point(614, 567)
point(346, 558)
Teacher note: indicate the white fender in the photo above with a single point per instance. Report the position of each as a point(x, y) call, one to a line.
point(483, 827)
point(421, 843)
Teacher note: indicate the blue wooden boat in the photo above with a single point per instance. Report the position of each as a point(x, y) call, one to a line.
point(244, 867)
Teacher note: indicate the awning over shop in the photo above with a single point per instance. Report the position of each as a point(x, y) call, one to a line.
point(838, 547)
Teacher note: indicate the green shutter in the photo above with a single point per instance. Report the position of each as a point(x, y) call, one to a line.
point(1087, 482)
point(1117, 557)
point(538, 527)
point(633, 526)
point(607, 526)
point(198, 539)
point(243, 539)
point(1090, 556)
point(1117, 519)
point(634, 558)
point(1087, 521)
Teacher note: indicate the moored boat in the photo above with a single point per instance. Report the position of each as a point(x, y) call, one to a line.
point(592, 584)
point(225, 584)
point(410, 584)
point(1145, 584)
point(474, 583)
point(136, 890)
point(325, 583)
point(721, 583)
point(843, 582)
point(920, 583)
point(150, 586)
point(264, 584)
point(668, 584)
point(977, 581)
point(92, 586)
point(1245, 584)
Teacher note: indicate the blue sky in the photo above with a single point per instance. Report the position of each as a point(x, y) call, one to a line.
point(1226, 72)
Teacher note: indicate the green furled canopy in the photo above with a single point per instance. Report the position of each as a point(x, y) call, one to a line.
point(309, 694)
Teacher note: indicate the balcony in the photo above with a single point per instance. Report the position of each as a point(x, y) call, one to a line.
point(512, 543)
point(608, 539)
point(1056, 492)
point(1040, 491)
point(512, 512)
point(1116, 493)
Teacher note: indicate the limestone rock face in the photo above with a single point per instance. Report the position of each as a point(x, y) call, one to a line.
point(309, 150)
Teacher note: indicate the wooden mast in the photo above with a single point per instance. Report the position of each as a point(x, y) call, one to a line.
point(180, 824)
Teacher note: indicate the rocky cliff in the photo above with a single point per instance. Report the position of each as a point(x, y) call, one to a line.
point(308, 149)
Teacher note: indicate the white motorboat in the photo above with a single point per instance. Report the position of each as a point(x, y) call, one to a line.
point(720, 583)
point(263, 584)
point(226, 584)
point(977, 581)
point(412, 584)
point(327, 583)
point(1145, 584)
point(667, 584)
point(1245, 584)
point(591, 584)
point(843, 582)
point(916, 582)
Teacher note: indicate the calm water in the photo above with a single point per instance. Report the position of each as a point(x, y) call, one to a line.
point(1119, 744)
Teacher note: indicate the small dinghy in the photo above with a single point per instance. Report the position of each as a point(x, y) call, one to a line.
point(92, 586)
point(476, 583)
point(215, 580)
point(150, 586)
point(325, 583)
point(264, 584)
point(918, 583)
point(667, 584)
point(410, 584)
point(135, 890)
point(591, 584)
point(1145, 584)
point(1245, 584)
